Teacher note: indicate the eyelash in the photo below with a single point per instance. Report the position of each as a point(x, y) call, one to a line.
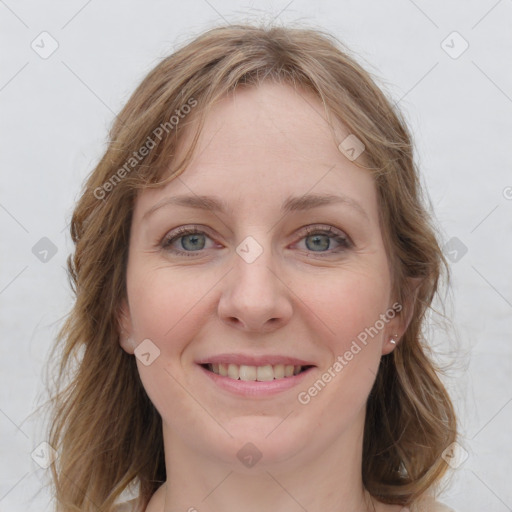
point(306, 232)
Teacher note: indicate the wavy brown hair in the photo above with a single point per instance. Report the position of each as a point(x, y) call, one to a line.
point(103, 425)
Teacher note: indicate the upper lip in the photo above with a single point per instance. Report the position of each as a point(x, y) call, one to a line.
point(249, 360)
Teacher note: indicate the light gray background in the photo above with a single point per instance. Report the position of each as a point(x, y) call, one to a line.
point(55, 114)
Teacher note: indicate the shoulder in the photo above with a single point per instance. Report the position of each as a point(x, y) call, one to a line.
point(429, 504)
point(127, 506)
point(426, 504)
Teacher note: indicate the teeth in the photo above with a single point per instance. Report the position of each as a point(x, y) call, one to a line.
point(278, 371)
point(233, 371)
point(263, 372)
point(223, 369)
point(248, 372)
point(253, 373)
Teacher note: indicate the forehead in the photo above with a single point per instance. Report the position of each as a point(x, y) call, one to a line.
point(276, 118)
point(262, 144)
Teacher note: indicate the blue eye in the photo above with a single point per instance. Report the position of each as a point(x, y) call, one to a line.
point(192, 241)
point(319, 241)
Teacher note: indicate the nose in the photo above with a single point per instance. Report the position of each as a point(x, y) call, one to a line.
point(254, 298)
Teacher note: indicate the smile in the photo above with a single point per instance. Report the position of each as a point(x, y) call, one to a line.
point(256, 382)
point(255, 373)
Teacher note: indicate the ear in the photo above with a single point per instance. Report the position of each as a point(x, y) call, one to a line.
point(125, 327)
point(398, 325)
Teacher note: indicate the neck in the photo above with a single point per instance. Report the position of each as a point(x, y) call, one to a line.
point(308, 480)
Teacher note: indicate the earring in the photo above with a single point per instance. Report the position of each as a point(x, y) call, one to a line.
point(128, 340)
point(392, 340)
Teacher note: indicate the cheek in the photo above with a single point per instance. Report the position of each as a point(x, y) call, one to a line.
point(350, 306)
point(167, 305)
point(349, 302)
point(168, 308)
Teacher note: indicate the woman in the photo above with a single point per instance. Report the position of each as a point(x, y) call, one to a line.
point(252, 270)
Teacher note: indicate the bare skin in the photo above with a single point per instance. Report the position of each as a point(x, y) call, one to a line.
point(308, 295)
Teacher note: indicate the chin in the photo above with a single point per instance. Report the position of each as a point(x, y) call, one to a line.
point(270, 439)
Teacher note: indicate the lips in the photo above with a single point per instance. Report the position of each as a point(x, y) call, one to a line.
point(254, 368)
point(254, 389)
point(249, 360)
point(253, 373)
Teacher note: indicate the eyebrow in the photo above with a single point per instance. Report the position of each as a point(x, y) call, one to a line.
point(291, 204)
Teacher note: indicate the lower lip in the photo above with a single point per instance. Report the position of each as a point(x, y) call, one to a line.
point(250, 388)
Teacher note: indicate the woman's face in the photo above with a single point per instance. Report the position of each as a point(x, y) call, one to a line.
point(285, 268)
